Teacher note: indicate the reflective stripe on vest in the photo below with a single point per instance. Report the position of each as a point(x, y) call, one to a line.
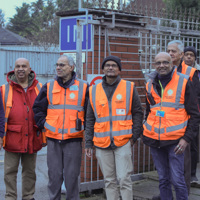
point(113, 118)
point(168, 129)
point(187, 70)
point(77, 107)
point(176, 105)
point(38, 88)
point(64, 106)
point(7, 86)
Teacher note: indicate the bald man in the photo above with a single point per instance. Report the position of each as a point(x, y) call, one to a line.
point(171, 113)
point(22, 138)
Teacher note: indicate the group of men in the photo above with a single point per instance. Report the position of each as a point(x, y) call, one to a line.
point(109, 114)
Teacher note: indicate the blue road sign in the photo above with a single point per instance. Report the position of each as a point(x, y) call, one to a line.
point(68, 34)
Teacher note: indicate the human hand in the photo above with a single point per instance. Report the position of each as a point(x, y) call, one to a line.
point(180, 148)
point(132, 142)
point(44, 144)
point(88, 152)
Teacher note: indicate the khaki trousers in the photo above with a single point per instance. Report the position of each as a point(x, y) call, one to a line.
point(116, 165)
point(11, 164)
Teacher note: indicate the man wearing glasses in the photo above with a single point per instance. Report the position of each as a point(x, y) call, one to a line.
point(114, 117)
point(60, 109)
point(171, 116)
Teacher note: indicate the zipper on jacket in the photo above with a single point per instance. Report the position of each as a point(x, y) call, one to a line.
point(160, 121)
point(161, 98)
point(110, 119)
point(64, 114)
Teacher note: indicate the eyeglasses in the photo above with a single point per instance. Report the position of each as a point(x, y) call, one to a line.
point(60, 65)
point(164, 63)
point(111, 65)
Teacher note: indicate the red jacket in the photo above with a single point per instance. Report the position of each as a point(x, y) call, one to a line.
point(21, 134)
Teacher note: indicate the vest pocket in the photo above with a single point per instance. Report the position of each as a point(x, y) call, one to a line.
point(99, 127)
point(72, 121)
point(51, 122)
point(102, 108)
point(125, 124)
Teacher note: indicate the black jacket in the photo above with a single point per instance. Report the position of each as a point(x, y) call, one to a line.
point(137, 114)
point(41, 103)
point(195, 81)
point(190, 107)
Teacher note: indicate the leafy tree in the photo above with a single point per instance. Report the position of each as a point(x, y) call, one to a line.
point(64, 5)
point(2, 20)
point(183, 3)
point(38, 21)
point(22, 23)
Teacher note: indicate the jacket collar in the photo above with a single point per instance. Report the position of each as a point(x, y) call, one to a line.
point(154, 75)
point(68, 83)
point(117, 80)
point(12, 78)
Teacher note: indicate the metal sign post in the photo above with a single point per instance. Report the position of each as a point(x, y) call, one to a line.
point(79, 49)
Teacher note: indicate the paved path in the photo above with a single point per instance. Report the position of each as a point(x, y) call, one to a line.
point(142, 190)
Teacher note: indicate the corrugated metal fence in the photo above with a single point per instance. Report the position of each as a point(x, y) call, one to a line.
point(41, 61)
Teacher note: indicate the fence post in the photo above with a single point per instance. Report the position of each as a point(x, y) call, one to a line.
point(79, 49)
point(79, 4)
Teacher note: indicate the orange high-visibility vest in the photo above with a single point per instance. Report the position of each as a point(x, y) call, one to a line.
point(113, 120)
point(64, 107)
point(173, 125)
point(7, 96)
point(187, 70)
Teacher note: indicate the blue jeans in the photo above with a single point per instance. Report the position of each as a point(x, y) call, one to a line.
point(170, 168)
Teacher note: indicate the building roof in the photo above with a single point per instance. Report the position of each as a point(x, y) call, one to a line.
point(9, 38)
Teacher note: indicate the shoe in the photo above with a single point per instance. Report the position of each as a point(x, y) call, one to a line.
point(193, 179)
point(156, 197)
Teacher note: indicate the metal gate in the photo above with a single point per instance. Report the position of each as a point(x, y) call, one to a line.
point(136, 39)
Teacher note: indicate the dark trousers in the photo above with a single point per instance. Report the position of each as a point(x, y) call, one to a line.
point(194, 155)
point(64, 160)
point(187, 167)
point(170, 168)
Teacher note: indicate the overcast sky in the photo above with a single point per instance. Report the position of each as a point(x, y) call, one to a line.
point(8, 7)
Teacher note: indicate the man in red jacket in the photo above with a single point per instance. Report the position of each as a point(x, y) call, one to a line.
point(22, 139)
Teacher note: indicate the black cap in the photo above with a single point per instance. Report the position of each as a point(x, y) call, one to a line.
point(113, 58)
point(190, 48)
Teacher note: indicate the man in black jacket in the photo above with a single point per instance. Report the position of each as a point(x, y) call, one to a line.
point(60, 109)
point(162, 132)
point(190, 56)
point(114, 117)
